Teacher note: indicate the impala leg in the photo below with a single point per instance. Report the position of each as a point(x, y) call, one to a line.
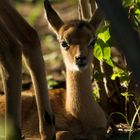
point(33, 56)
point(11, 76)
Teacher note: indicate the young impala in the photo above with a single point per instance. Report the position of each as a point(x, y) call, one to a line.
point(84, 116)
point(77, 115)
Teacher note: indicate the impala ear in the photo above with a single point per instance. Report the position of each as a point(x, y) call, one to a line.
point(97, 18)
point(53, 19)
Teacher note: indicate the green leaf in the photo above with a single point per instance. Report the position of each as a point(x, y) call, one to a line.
point(105, 35)
point(128, 3)
point(137, 12)
point(98, 53)
point(137, 1)
point(109, 62)
point(107, 53)
point(114, 75)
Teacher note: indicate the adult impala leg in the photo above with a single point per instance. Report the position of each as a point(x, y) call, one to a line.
point(11, 75)
point(33, 56)
point(29, 40)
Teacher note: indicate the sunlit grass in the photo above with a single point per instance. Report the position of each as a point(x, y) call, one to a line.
point(133, 120)
point(50, 41)
point(34, 14)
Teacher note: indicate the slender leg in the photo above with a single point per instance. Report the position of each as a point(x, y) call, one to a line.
point(33, 56)
point(11, 76)
point(24, 33)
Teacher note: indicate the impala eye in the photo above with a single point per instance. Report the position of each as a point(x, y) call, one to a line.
point(65, 45)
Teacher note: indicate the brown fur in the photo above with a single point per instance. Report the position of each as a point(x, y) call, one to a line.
point(30, 120)
point(17, 37)
point(64, 121)
point(86, 117)
point(77, 115)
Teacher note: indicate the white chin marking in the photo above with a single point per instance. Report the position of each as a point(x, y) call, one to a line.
point(76, 68)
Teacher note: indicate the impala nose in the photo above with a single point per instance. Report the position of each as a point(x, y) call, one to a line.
point(81, 61)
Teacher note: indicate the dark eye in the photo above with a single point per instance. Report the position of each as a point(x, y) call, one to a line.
point(64, 44)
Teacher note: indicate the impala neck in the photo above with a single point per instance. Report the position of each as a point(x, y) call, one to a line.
point(79, 91)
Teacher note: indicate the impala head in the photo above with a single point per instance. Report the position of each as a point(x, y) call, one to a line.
point(76, 38)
